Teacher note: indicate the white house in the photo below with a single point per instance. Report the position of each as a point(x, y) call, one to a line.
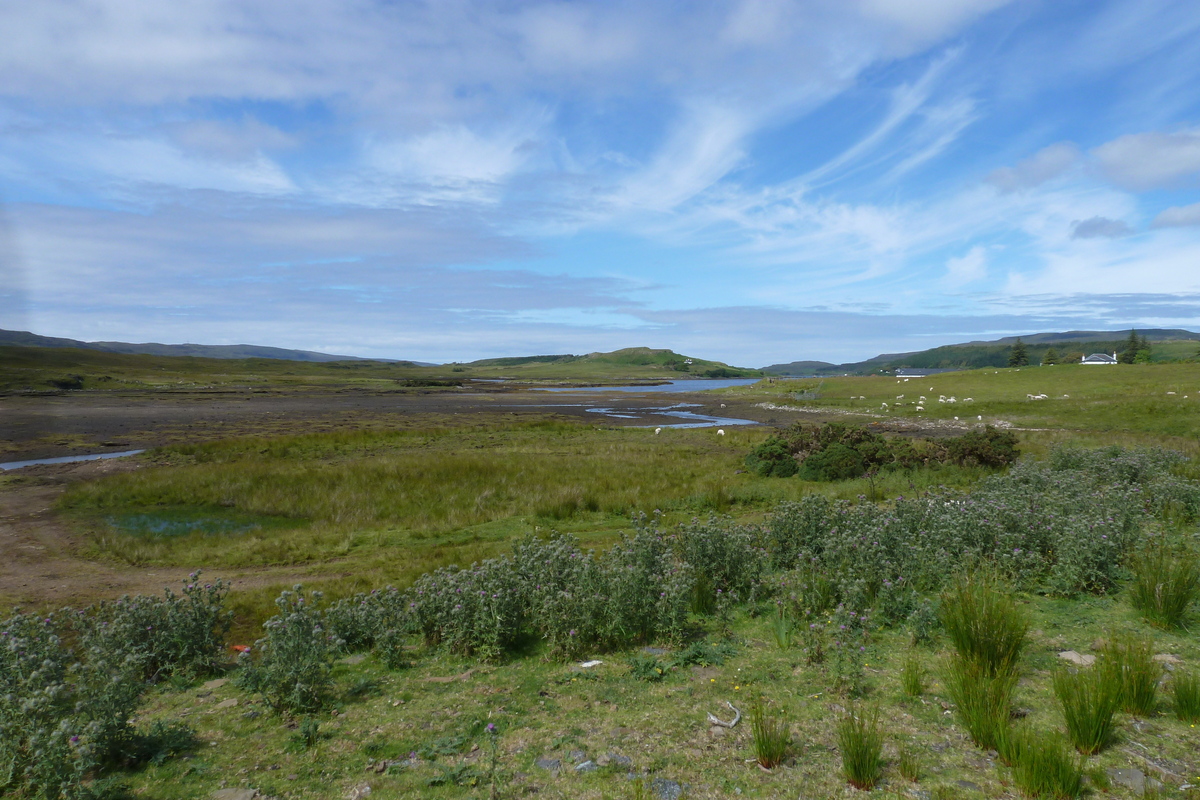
point(1100, 358)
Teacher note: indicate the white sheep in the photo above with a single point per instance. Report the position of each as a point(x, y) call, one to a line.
point(921, 399)
point(1170, 393)
point(899, 397)
point(657, 431)
point(885, 405)
point(1066, 397)
point(968, 399)
point(920, 408)
point(722, 405)
point(720, 431)
point(956, 419)
point(980, 417)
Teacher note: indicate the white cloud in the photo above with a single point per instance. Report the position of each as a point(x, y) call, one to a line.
point(1178, 217)
point(1144, 161)
point(927, 20)
point(968, 268)
point(1044, 165)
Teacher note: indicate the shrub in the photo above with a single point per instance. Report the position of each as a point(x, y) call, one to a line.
point(861, 743)
point(1186, 688)
point(1166, 580)
point(984, 622)
point(987, 448)
point(772, 458)
point(834, 463)
point(982, 699)
point(294, 659)
point(1089, 700)
point(1130, 662)
point(770, 734)
point(729, 556)
point(1044, 767)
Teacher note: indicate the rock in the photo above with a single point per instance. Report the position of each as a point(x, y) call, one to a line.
point(590, 664)
point(230, 703)
point(291, 776)
point(214, 684)
point(1099, 644)
point(576, 756)
point(357, 658)
point(235, 794)
point(620, 761)
point(1076, 658)
point(359, 792)
point(587, 766)
point(717, 732)
point(250, 715)
point(1168, 658)
point(974, 787)
point(666, 790)
point(1133, 779)
point(549, 764)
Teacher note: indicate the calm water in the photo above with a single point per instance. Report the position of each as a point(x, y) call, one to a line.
point(67, 459)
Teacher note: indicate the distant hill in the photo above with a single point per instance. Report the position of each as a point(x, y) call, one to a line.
point(27, 339)
point(628, 357)
point(981, 354)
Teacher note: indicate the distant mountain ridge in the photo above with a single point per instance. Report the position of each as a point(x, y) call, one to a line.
point(229, 351)
point(993, 353)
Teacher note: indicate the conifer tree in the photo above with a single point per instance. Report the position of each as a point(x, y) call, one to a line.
point(1050, 358)
point(1019, 357)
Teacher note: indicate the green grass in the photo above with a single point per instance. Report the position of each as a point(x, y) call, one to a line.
point(984, 622)
point(769, 729)
point(1130, 660)
point(860, 740)
point(1185, 687)
point(1046, 768)
point(1089, 700)
point(1166, 581)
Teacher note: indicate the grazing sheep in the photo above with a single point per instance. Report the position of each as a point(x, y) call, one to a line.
point(657, 431)
point(968, 399)
point(920, 408)
point(1066, 397)
point(899, 397)
point(980, 417)
point(1170, 393)
point(921, 399)
point(722, 405)
point(885, 405)
point(720, 431)
point(1029, 397)
point(956, 419)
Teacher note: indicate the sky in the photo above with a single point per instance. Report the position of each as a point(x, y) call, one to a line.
point(751, 181)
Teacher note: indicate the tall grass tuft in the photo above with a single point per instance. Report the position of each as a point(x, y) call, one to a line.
point(1131, 660)
point(861, 743)
point(1045, 767)
point(1166, 580)
point(771, 736)
point(982, 700)
point(783, 628)
point(983, 621)
point(909, 764)
point(1089, 700)
point(1186, 688)
point(912, 677)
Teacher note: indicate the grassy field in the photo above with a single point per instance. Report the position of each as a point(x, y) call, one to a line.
point(362, 509)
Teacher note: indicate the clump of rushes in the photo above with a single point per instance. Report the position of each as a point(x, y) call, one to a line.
point(912, 677)
point(783, 628)
point(1186, 688)
point(1045, 767)
point(861, 743)
point(988, 630)
point(1089, 700)
point(982, 700)
point(909, 764)
point(1166, 579)
point(1131, 660)
point(983, 621)
point(771, 736)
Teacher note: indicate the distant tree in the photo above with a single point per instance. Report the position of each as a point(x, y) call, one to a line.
point(1132, 345)
point(1019, 357)
point(1051, 358)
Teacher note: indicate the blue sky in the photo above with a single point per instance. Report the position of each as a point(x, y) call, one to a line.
point(754, 181)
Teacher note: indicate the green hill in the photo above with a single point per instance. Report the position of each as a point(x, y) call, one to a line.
point(1166, 345)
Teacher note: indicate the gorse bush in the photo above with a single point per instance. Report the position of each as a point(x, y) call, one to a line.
point(1089, 700)
point(290, 666)
point(1166, 581)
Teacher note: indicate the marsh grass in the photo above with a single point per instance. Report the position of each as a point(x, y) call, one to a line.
point(1185, 687)
point(861, 743)
point(1045, 767)
point(783, 628)
point(1166, 581)
point(912, 677)
point(908, 763)
point(770, 734)
point(1089, 700)
point(982, 700)
point(1130, 660)
point(984, 622)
